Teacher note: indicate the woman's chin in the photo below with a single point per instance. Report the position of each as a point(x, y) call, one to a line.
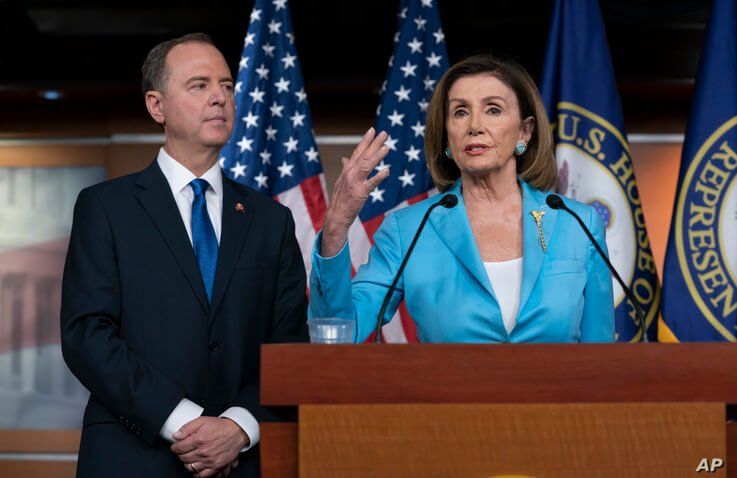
point(484, 170)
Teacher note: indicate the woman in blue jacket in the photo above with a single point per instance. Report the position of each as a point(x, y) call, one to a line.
point(501, 266)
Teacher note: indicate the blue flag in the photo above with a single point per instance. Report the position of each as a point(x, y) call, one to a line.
point(593, 156)
point(272, 147)
point(699, 301)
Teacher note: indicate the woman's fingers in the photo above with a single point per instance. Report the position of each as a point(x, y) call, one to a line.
point(367, 164)
point(353, 186)
point(375, 146)
point(377, 178)
point(365, 154)
point(380, 155)
point(368, 137)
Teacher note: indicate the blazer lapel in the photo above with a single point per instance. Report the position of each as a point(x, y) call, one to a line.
point(532, 250)
point(454, 229)
point(156, 198)
point(237, 219)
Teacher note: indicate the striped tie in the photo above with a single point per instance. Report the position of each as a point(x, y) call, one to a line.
point(203, 236)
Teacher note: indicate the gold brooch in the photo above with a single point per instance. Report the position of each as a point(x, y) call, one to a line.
point(538, 215)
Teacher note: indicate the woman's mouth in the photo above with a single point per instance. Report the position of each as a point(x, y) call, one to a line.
point(476, 149)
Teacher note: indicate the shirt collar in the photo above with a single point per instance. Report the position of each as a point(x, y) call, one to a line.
point(179, 176)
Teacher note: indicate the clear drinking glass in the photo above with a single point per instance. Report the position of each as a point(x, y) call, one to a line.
point(331, 330)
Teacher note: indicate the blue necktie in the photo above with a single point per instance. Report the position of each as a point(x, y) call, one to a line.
point(203, 236)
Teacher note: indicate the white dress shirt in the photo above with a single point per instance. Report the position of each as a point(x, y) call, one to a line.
point(506, 281)
point(179, 178)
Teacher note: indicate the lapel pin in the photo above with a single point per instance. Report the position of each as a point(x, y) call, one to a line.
point(240, 207)
point(538, 215)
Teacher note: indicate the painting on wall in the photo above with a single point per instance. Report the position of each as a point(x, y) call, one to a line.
point(37, 391)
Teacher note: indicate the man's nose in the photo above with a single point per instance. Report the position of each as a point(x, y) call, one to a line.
point(218, 95)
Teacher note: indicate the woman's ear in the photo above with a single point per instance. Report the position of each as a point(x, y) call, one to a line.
point(526, 129)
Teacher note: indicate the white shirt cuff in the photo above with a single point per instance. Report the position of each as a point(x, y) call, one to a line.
point(247, 422)
point(183, 413)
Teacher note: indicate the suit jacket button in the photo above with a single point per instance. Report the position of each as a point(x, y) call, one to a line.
point(213, 346)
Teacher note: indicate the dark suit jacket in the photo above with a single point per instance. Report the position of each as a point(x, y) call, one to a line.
point(137, 328)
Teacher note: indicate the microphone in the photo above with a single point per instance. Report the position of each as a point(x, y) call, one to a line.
point(555, 202)
point(448, 201)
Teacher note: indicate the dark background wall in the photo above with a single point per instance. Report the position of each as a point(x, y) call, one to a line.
point(91, 53)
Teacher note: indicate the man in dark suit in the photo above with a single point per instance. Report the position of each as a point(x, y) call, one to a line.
point(174, 278)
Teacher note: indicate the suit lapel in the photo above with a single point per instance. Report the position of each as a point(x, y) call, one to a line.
point(236, 223)
point(454, 229)
point(156, 198)
point(532, 251)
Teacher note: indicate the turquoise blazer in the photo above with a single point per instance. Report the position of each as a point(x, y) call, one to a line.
point(566, 293)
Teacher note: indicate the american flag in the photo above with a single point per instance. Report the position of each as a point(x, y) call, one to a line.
point(419, 60)
point(272, 148)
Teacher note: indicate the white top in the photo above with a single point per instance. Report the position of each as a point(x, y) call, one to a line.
point(506, 281)
point(179, 178)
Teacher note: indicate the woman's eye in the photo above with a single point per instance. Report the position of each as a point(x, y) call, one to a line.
point(459, 113)
point(494, 110)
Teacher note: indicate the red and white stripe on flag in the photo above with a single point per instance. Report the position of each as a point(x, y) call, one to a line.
point(308, 203)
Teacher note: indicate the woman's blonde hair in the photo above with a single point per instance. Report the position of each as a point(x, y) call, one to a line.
point(536, 165)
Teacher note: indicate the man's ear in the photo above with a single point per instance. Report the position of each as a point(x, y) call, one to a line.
point(155, 106)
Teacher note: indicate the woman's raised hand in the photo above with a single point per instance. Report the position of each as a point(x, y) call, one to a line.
point(352, 190)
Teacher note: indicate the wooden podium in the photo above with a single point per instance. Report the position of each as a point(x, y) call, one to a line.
point(523, 410)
